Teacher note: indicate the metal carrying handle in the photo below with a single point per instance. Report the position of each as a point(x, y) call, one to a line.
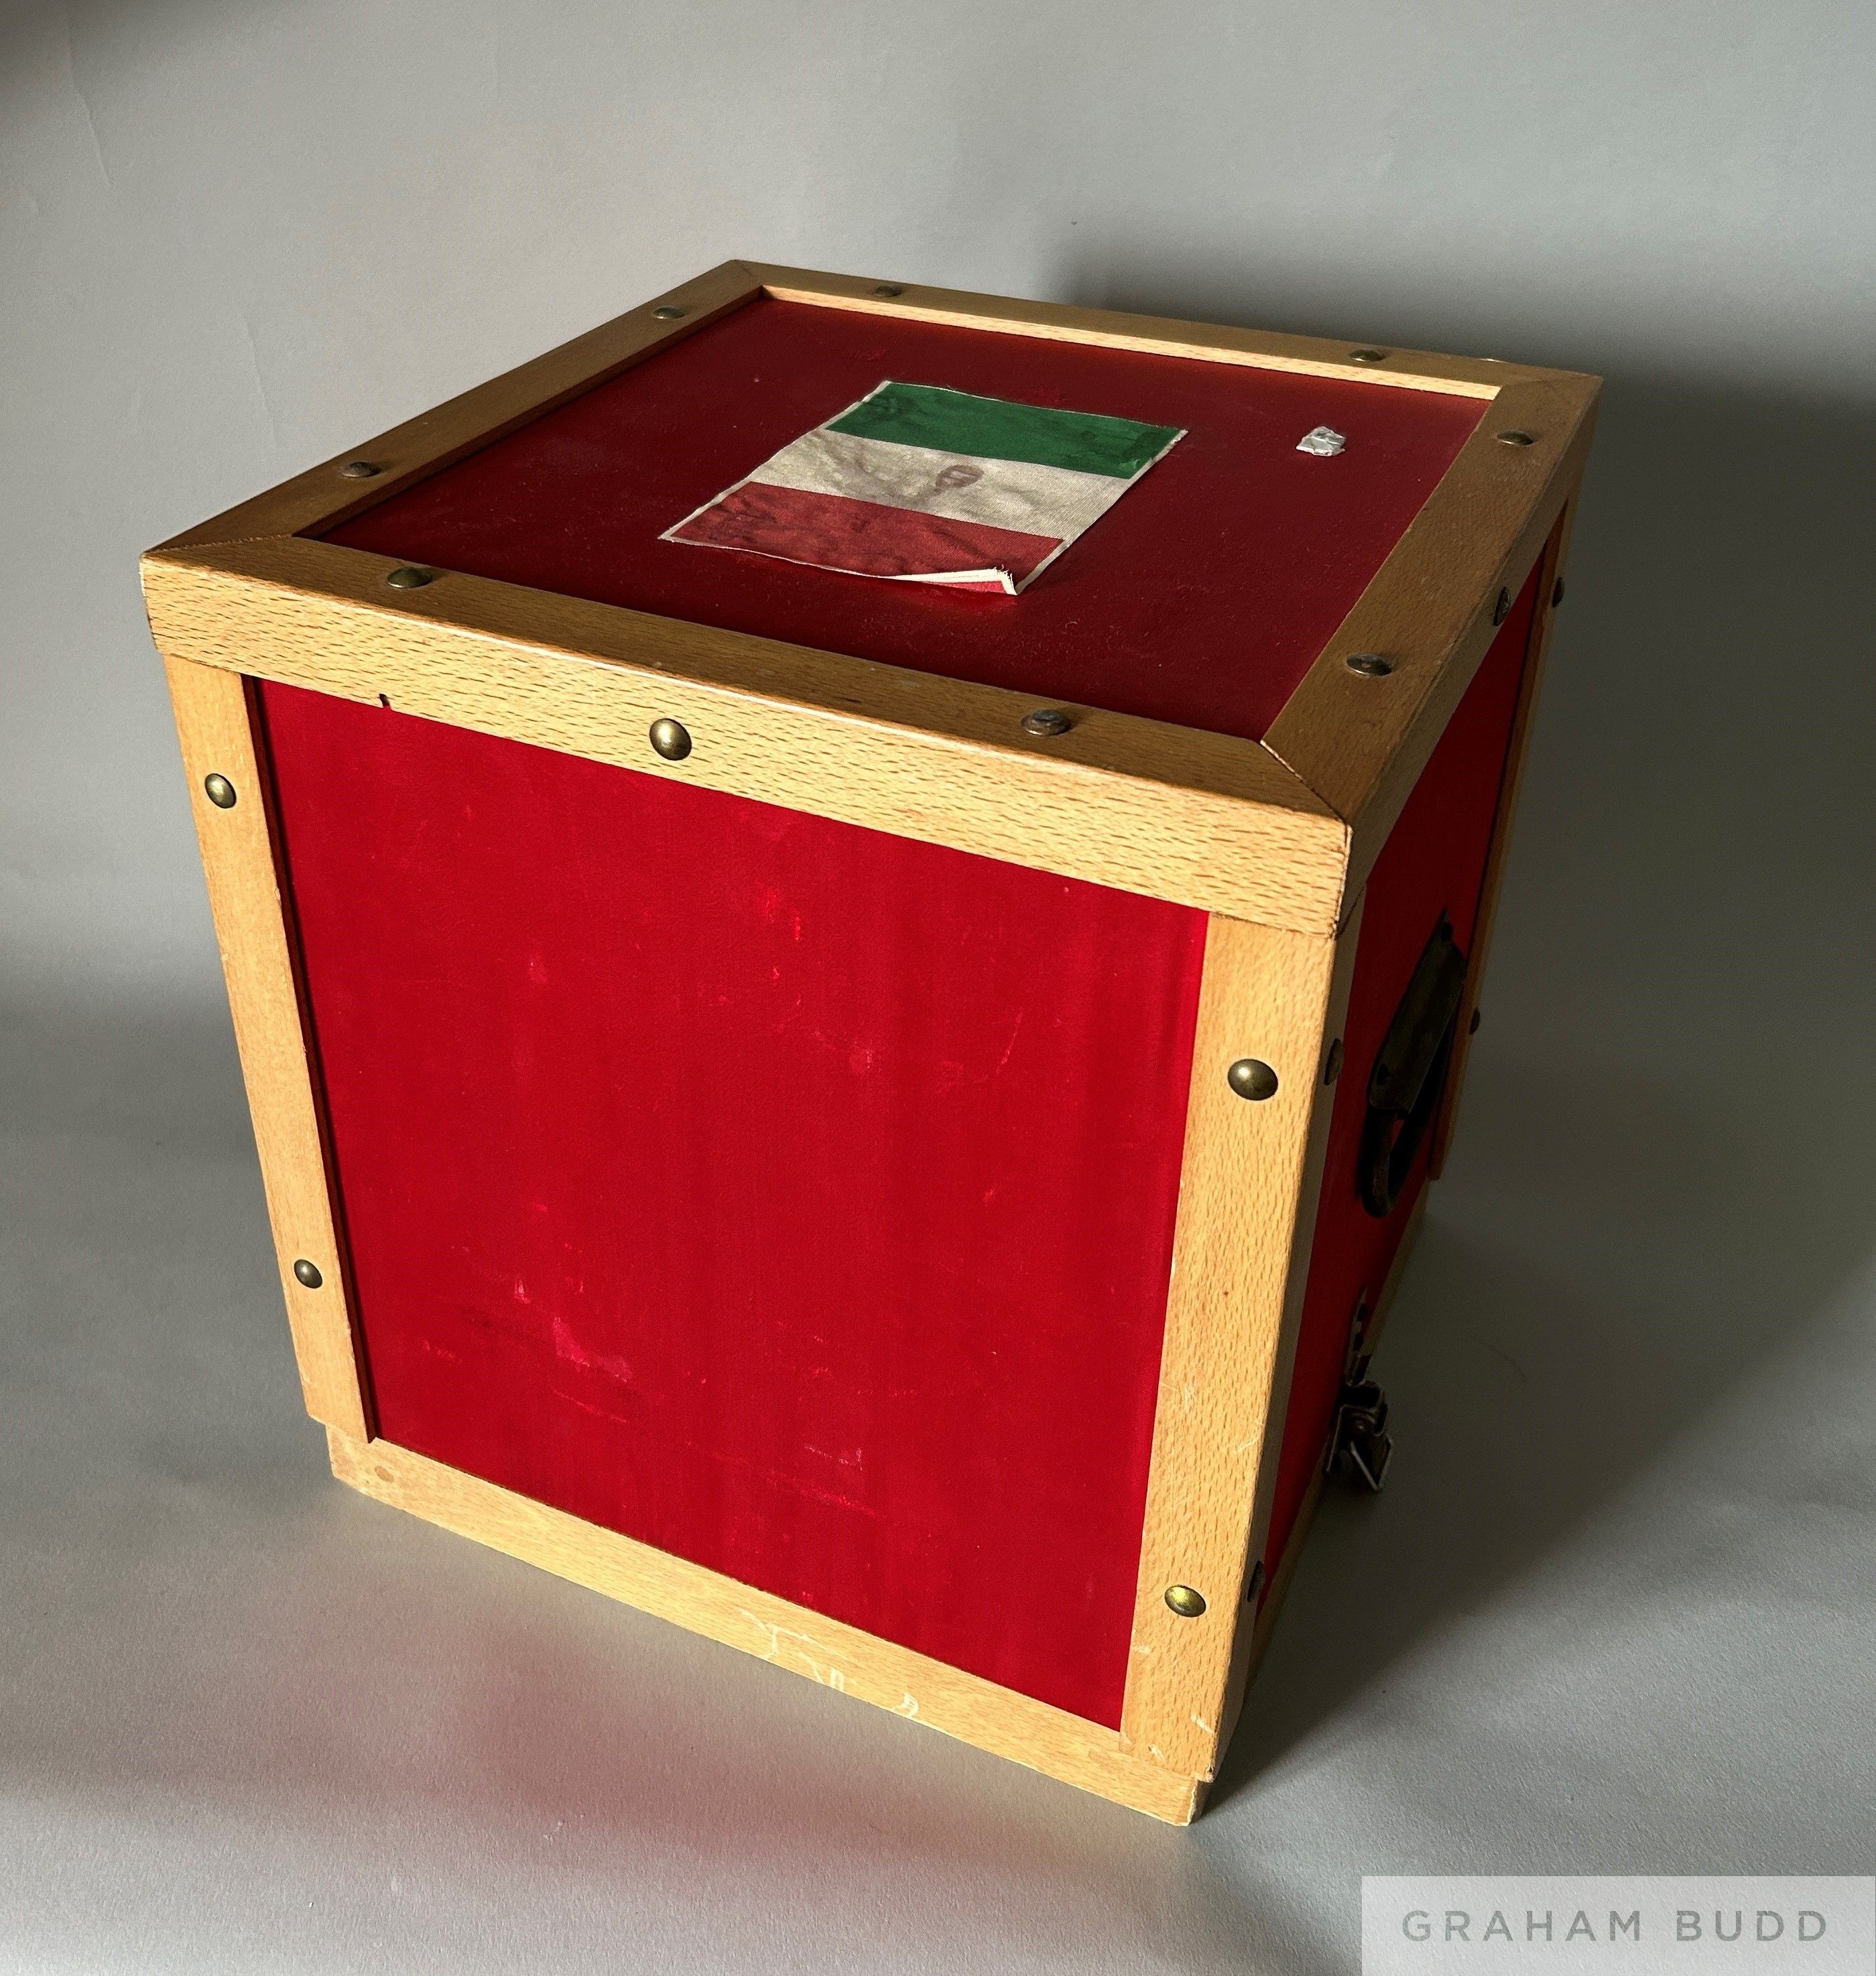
point(1409, 1073)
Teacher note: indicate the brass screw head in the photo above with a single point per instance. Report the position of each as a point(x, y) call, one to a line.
point(411, 579)
point(1185, 1602)
point(1046, 720)
point(219, 791)
point(1502, 609)
point(1368, 357)
point(671, 739)
point(1517, 439)
point(359, 469)
point(669, 312)
point(1251, 1077)
point(1370, 665)
point(889, 288)
point(307, 1274)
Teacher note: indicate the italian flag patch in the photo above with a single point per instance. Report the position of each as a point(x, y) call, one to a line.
point(922, 485)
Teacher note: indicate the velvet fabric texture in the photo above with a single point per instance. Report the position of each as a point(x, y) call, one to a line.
point(794, 1197)
point(1201, 598)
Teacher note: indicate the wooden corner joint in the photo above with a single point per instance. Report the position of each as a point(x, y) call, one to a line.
point(350, 482)
point(1257, 1124)
point(1358, 737)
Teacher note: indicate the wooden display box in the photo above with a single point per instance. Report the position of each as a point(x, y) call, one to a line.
point(904, 1194)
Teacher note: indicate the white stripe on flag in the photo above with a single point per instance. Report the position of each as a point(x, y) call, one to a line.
point(1051, 501)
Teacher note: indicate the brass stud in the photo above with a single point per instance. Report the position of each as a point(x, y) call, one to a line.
point(1046, 720)
point(307, 1274)
point(1185, 1602)
point(1368, 357)
point(408, 578)
point(669, 312)
point(219, 791)
point(359, 469)
point(671, 739)
point(1517, 439)
point(1251, 1077)
point(1502, 609)
point(1332, 1069)
point(1370, 665)
point(889, 288)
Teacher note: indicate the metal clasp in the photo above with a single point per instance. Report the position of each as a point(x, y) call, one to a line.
point(1359, 1439)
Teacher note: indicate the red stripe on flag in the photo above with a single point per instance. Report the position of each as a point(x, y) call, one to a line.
point(864, 537)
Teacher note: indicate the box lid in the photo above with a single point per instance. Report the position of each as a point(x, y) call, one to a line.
point(1200, 597)
point(496, 563)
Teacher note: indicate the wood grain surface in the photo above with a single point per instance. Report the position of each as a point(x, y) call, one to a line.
point(1246, 1215)
point(840, 1657)
point(1314, 356)
point(1205, 820)
point(214, 723)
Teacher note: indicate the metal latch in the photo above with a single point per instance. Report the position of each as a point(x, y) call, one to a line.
point(1359, 1439)
point(1409, 1073)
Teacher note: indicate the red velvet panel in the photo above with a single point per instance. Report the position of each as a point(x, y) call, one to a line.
point(1433, 862)
point(794, 1197)
point(1200, 597)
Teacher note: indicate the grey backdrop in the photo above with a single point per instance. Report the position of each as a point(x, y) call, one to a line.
point(1615, 1613)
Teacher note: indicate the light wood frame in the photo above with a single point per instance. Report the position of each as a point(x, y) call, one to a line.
point(1273, 840)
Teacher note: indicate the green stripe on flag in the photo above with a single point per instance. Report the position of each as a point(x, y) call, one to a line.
point(994, 429)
